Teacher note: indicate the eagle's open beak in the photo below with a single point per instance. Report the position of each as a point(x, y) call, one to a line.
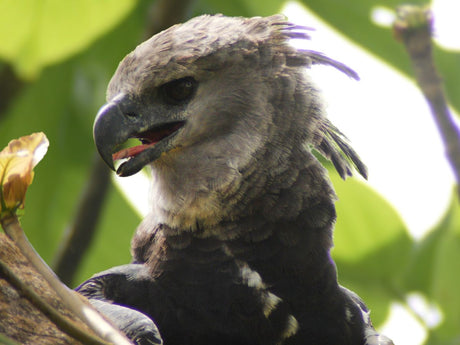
point(119, 120)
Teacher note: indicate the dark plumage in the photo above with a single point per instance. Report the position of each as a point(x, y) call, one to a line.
point(236, 249)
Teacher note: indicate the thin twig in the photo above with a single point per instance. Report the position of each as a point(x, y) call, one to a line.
point(80, 233)
point(78, 236)
point(165, 13)
point(70, 298)
point(10, 86)
point(64, 324)
point(414, 27)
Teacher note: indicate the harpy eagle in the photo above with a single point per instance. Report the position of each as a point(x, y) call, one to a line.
point(236, 249)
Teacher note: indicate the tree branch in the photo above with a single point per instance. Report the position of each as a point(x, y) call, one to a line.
point(20, 319)
point(71, 299)
point(413, 27)
point(6, 340)
point(166, 13)
point(65, 325)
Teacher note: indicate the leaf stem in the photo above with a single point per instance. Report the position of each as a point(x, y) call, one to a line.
point(71, 299)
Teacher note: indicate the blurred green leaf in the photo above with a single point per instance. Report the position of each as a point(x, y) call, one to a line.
point(354, 19)
point(371, 245)
point(421, 268)
point(376, 294)
point(111, 245)
point(62, 103)
point(367, 224)
point(51, 198)
point(37, 33)
point(434, 338)
point(434, 268)
point(446, 278)
point(242, 7)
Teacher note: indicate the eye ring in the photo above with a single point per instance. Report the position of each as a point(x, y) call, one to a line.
point(178, 91)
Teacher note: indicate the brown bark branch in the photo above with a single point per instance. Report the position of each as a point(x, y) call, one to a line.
point(414, 27)
point(71, 299)
point(65, 325)
point(4, 340)
point(20, 319)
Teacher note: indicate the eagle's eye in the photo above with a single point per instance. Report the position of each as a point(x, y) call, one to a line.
point(178, 91)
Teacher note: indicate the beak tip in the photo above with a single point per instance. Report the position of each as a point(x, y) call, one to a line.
point(106, 131)
point(119, 172)
point(122, 172)
point(110, 164)
point(106, 154)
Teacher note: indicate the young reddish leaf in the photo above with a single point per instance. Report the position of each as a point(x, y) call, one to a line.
point(17, 161)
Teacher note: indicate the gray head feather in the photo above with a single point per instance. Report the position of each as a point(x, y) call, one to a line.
point(255, 106)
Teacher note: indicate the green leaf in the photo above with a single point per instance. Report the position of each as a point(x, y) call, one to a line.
point(433, 270)
point(421, 268)
point(446, 278)
point(111, 245)
point(37, 33)
point(371, 245)
point(353, 19)
point(62, 103)
point(434, 267)
point(367, 224)
point(241, 7)
point(435, 338)
point(52, 197)
point(376, 294)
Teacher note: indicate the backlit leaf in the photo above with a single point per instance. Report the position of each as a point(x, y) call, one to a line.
point(17, 161)
point(371, 245)
point(37, 33)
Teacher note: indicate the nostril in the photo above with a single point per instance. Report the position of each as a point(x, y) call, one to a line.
point(128, 105)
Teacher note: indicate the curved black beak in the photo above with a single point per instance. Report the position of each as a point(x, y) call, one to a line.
point(109, 131)
point(121, 119)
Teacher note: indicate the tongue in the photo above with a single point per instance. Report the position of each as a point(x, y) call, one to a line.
point(153, 137)
point(130, 151)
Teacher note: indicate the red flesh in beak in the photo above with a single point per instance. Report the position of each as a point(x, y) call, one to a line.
point(148, 139)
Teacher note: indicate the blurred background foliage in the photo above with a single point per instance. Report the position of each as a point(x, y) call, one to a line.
point(56, 58)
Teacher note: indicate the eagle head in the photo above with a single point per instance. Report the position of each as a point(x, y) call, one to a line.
point(212, 100)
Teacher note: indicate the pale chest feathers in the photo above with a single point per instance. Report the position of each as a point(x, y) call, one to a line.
point(191, 195)
point(182, 201)
point(198, 185)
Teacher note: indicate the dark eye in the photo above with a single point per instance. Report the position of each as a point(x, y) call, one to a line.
point(178, 91)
